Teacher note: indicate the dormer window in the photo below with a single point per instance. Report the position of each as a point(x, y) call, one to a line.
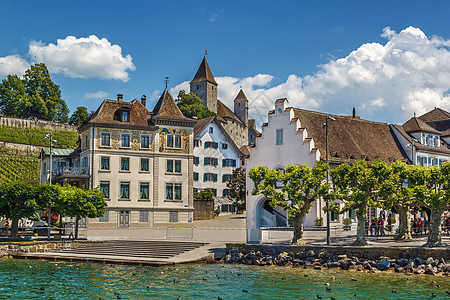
point(429, 140)
point(122, 115)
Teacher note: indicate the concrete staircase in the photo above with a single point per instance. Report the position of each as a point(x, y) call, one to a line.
point(135, 249)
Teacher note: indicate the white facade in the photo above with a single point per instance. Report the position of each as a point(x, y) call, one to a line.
point(292, 147)
point(216, 156)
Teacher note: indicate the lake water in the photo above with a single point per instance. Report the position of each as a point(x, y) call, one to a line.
point(36, 279)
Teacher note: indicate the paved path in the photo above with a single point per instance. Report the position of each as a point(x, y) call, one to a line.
point(134, 252)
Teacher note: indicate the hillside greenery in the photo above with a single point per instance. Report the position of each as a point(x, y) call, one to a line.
point(19, 165)
point(36, 136)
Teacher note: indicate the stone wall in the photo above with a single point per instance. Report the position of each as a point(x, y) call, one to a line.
point(353, 251)
point(203, 209)
point(25, 123)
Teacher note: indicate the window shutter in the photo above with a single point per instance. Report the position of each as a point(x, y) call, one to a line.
point(205, 177)
point(215, 177)
point(216, 145)
point(224, 162)
point(234, 163)
point(216, 161)
point(206, 144)
point(205, 161)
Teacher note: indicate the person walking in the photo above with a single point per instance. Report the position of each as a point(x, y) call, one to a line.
point(419, 225)
point(389, 223)
point(381, 227)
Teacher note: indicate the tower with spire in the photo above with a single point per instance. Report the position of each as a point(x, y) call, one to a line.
point(241, 107)
point(205, 86)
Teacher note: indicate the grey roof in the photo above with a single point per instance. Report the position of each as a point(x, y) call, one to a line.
point(57, 151)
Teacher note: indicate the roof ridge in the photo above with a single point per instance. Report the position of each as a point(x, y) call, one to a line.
point(340, 116)
point(166, 108)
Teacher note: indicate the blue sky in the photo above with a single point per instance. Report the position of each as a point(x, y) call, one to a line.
point(388, 59)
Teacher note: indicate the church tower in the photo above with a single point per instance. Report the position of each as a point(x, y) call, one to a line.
point(241, 107)
point(205, 86)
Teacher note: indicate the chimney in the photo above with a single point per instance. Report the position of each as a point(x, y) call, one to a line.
point(354, 113)
point(120, 97)
point(143, 100)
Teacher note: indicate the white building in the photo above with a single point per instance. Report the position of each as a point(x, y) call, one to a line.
point(297, 136)
point(142, 160)
point(215, 157)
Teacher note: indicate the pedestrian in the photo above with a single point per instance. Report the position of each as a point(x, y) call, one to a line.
point(366, 226)
point(6, 228)
point(373, 227)
point(419, 225)
point(381, 227)
point(425, 225)
point(413, 226)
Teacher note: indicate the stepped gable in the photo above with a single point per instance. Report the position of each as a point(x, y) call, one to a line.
point(443, 147)
point(436, 115)
point(415, 124)
point(351, 139)
point(224, 112)
point(139, 114)
point(241, 96)
point(204, 73)
point(167, 109)
point(201, 124)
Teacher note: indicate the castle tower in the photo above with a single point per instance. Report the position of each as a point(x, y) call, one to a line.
point(205, 86)
point(241, 107)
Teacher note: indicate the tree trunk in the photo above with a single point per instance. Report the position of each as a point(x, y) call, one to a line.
point(404, 228)
point(361, 230)
point(76, 227)
point(434, 237)
point(298, 220)
point(14, 229)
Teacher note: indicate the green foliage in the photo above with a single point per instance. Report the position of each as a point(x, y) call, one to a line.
point(204, 195)
point(191, 105)
point(236, 186)
point(17, 200)
point(80, 116)
point(36, 95)
point(19, 165)
point(301, 186)
point(80, 203)
point(36, 136)
point(347, 221)
point(318, 222)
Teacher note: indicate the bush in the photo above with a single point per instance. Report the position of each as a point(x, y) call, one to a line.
point(318, 222)
point(347, 221)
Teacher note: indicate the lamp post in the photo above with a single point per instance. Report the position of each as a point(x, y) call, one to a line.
point(50, 135)
point(326, 149)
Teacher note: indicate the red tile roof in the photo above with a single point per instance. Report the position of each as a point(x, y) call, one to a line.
point(241, 96)
point(435, 115)
point(415, 124)
point(167, 109)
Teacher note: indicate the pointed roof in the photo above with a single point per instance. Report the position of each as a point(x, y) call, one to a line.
point(437, 114)
point(166, 108)
point(201, 124)
point(204, 73)
point(415, 124)
point(224, 112)
point(241, 96)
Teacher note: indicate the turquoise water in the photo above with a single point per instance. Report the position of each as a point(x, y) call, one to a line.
point(36, 279)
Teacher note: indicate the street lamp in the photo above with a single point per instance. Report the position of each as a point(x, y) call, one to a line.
point(326, 149)
point(50, 135)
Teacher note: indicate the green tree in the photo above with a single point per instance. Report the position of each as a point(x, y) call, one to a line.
point(396, 195)
point(191, 106)
point(79, 203)
point(36, 95)
point(357, 186)
point(79, 116)
point(236, 186)
point(431, 187)
point(301, 186)
point(17, 201)
point(13, 97)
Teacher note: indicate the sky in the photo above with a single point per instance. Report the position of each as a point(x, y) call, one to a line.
point(388, 59)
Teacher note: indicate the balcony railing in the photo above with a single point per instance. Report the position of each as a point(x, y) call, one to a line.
point(68, 171)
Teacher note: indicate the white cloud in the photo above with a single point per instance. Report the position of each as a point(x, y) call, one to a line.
point(96, 95)
point(13, 64)
point(89, 57)
point(388, 82)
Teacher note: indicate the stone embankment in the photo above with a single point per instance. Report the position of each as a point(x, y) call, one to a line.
point(7, 249)
point(323, 259)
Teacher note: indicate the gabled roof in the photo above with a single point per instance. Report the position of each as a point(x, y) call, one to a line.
point(437, 114)
point(224, 112)
point(139, 114)
point(201, 124)
point(252, 125)
point(351, 139)
point(241, 96)
point(442, 148)
point(245, 150)
point(167, 109)
point(415, 124)
point(204, 73)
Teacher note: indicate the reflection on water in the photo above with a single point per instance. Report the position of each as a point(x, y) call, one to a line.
point(33, 279)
